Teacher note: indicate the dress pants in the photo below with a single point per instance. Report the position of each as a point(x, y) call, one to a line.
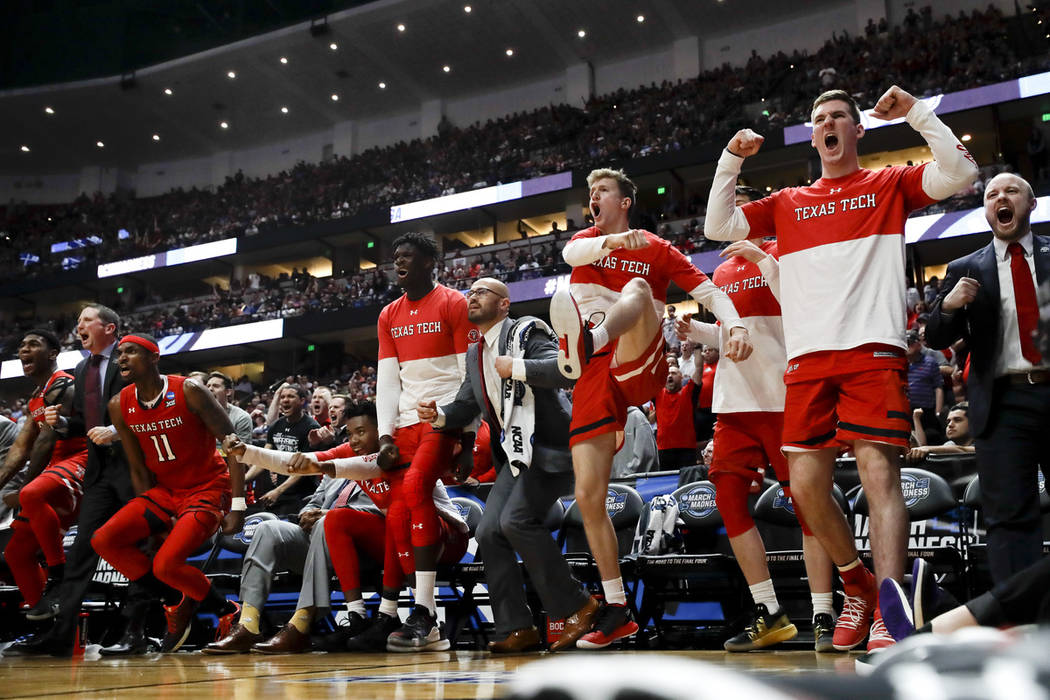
point(513, 522)
point(278, 545)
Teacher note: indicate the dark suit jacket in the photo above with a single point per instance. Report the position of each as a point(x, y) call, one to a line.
point(107, 461)
point(553, 411)
point(978, 324)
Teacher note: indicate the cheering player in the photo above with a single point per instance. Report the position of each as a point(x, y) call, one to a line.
point(54, 480)
point(620, 274)
point(841, 243)
point(423, 338)
point(168, 425)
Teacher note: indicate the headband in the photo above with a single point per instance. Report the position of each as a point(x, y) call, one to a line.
point(139, 340)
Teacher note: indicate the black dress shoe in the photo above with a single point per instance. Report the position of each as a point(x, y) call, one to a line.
point(133, 642)
point(41, 645)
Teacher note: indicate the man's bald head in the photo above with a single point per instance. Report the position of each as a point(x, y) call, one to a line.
point(488, 303)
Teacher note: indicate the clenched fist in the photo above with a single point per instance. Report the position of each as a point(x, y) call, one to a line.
point(745, 143)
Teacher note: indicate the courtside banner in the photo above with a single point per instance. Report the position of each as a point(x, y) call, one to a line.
point(1018, 89)
point(484, 196)
point(176, 344)
point(178, 256)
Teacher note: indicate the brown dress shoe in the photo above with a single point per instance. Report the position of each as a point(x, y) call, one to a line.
point(527, 639)
point(577, 625)
point(238, 641)
point(288, 641)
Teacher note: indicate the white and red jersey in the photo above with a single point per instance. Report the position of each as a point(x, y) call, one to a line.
point(428, 339)
point(841, 243)
point(65, 448)
point(755, 384)
point(377, 489)
point(599, 274)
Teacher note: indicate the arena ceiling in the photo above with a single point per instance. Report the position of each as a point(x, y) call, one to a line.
point(174, 110)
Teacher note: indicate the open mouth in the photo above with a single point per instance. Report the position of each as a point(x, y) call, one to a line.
point(831, 141)
point(595, 209)
point(1004, 214)
point(124, 370)
point(401, 273)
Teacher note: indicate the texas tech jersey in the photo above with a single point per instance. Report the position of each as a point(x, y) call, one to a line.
point(51, 395)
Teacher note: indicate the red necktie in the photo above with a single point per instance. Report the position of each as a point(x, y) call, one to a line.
point(344, 495)
point(93, 394)
point(1027, 307)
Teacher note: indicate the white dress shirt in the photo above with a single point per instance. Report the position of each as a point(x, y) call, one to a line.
point(1010, 360)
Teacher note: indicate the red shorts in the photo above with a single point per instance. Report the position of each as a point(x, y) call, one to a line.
point(213, 497)
point(603, 392)
point(410, 437)
point(834, 411)
point(746, 441)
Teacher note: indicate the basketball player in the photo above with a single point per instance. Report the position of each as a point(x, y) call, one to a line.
point(168, 425)
point(423, 338)
point(841, 244)
point(749, 402)
point(54, 480)
point(609, 329)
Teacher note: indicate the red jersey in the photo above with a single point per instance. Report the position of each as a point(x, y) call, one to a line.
point(707, 385)
point(378, 489)
point(175, 443)
point(428, 337)
point(64, 447)
point(674, 418)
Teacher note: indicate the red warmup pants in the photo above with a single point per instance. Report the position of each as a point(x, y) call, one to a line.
point(412, 514)
point(349, 532)
point(196, 515)
point(48, 507)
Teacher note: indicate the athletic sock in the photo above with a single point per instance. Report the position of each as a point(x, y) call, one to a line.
point(215, 602)
point(599, 338)
point(823, 603)
point(301, 620)
point(856, 579)
point(763, 593)
point(357, 606)
point(56, 571)
point(614, 593)
point(250, 618)
point(388, 607)
point(425, 581)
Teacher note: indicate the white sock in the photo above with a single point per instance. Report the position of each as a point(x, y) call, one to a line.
point(388, 607)
point(425, 590)
point(613, 589)
point(823, 603)
point(600, 336)
point(764, 594)
point(357, 606)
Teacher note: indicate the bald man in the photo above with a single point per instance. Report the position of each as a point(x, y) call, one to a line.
point(989, 299)
point(516, 387)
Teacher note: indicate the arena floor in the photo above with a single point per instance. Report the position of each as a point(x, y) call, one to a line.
point(444, 675)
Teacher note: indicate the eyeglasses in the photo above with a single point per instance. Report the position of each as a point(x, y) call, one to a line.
point(480, 290)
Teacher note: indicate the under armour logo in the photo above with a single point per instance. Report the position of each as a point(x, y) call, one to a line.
point(835, 189)
point(404, 554)
point(413, 312)
point(131, 409)
point(741, 268)
point(417, 526)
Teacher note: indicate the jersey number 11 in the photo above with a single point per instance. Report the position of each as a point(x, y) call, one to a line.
point(165, 454)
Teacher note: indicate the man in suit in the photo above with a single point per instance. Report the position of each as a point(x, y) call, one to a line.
point(513, 382)
point(107, 484)
point(988, 298)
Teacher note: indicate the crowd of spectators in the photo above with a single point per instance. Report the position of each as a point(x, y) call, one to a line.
point(926, 55)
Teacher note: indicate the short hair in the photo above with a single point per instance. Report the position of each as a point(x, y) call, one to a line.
point(831, 95)
point(963, 406)
point(200, 376)
point(344, 397)
point(627, 188)
point(325, 391)
point(108, 315)
point(49, 337)
point(226, 379)
point(297, 388)
point(420, 241)
point(361, 408)
point(752, 194)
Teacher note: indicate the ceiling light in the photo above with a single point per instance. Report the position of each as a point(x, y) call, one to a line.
point(335, 97)
point(510, 52)
point(284, 60)
point(581, 33)
point(467, 9)
point(25, 149)
point(640, 18)
point(447, 69)
point(224, 125)
point(966, 137)
point(400, 27)
point(167, 91)
point(333, 46)
point(156, 137)
point(48, 110)
point(284, 110)
point(100, 144)
point(382, 85)
point(231, 75)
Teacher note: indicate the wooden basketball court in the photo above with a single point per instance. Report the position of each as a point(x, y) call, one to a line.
point(445, 675)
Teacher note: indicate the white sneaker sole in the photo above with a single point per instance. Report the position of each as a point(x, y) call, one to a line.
point(565, 318)
point(917, 592)
point(436, 645)
point(182, 640)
